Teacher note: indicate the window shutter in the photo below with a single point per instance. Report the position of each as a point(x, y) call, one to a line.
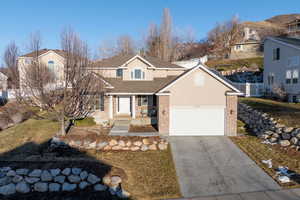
point(278, 54)
point(132, 75)
point(139, 101)
point(102, 102)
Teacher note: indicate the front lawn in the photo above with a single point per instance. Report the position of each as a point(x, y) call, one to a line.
point(149, 175)
point(286, 113)
point(257, 151)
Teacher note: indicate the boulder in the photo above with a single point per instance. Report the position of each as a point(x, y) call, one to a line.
point(83, 185)
point(68, 187)
point(288, 129)
point(116, 148)
point(83, 175)
point(46, 176)
point(54, 187)
point(123, 194)
point(101, 145)
point(66, 171)
point(74, 178)
point(129, 143)
point(100, 187)
point(144, 147)
point(60, 179)
point(5, 180)
point(93, 179)
point(31, 180)
point(138, 143)
point(146, 141)
point(8, 189)
point(23, 187)
point(22, 171)
point(113, 142)
point(76, 171)
point(152, 147)
point(162, 146)
point(134, 148)
point(92, 145)
point(286, 136)
point(17, 179)
point(40, 187)
point(54, 172)
point(273, 139)
point(106, 180)
point(294, 140)
point(121, 143)
point(35, 173)
point(115, 180)
point(284, 143)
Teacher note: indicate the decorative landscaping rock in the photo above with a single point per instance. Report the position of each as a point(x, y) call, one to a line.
point(35, 173)
point(115, 180)
point(144, 147)
point(5, 180)
point(93, 179)
point(54, 187)
point(66, 171)
point(138, 143)
point(11, 173)
point(83, 185)
point(46, 176)
point(60, 179)
point(68, 187)
point(83, 175)
point(284, 143)
point(76, 171)
point(113, 142)
point(123, 194)
point(100, 187)
point(106, 180)
point(22, 171)
point(22, 187)
point(17, 179)
point(101, 145)
point(162, 146)
point(55, 172)
point(8, 189)
point(31, 180)
point(40, 187)
point(267, 128)
point(152, 147)
point(74, 179)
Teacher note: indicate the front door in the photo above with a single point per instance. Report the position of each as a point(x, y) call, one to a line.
point(124, 104)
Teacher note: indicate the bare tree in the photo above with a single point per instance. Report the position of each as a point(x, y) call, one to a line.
point(11, 54)
point(224, 35)
point(125, 45)
point(153, 41)
point(107, 49)
point(166, 36)
point(69, 95)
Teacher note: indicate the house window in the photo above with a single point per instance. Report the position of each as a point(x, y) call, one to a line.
point(147, 100)
point(288, 76)
point(99, 102)
point(276, 54)
point(137, 74)
point(238, 47)
point(51, 65)
point(295, 76)
point(271, 79)
point(119, 72)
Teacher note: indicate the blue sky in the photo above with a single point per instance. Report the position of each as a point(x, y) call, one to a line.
point(97, 20)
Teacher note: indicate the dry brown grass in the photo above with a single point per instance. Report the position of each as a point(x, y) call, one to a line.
point(286, 113)
point(257, 151)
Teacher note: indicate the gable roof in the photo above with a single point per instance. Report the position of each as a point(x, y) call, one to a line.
point(215, 75)
point(120, 60)
point(43, 51)
point(291, 42)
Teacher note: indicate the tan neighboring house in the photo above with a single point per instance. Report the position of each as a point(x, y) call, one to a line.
point(293, 27)
point(282, 65)
point(196, 101)
point(3, 81)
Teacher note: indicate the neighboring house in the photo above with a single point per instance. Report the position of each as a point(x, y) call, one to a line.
point(293, 27)
point(282, 65)
point(3, 81)
point(180, 101)
point(53, 59)
point(248, 47)
point(191, 62)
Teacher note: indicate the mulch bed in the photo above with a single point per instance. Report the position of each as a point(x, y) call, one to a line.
point(145, 128)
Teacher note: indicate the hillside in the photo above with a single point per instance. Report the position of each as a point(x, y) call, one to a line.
point(283, 19)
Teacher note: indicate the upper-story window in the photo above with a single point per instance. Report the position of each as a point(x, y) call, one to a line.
point(119, 72)
point(51, 65)
point(238, 47)
point(137, 74)
point(276, 54)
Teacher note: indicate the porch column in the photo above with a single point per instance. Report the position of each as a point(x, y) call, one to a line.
point(133, 106)
point(110, 107)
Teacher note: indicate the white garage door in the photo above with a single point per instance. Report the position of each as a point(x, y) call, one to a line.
point(208, 120)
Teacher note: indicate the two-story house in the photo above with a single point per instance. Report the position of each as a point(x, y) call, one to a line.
point(282, 65)
point(180, 101)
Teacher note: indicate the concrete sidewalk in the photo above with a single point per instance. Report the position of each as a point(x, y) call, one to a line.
point(288, 194)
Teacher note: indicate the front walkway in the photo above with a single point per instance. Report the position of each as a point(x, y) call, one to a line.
point(121, 128)
point(288, 194)
point(209, 166)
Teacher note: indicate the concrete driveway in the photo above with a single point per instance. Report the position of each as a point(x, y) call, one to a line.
point(208, 166)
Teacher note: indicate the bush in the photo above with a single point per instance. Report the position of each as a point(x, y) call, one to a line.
point(88, 121)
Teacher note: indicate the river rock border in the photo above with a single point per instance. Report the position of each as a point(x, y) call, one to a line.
point(24, 181)
point(269, 129)
point(114, 144)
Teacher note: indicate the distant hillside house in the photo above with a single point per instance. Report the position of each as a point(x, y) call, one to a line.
point(282, 65)
point(294, 27)
point(249, 46)
point(3, 81)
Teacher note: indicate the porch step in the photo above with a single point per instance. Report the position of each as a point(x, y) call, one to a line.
point(120, 126)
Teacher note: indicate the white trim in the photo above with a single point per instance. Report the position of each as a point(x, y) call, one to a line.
point(234, 94)
point(281, 42)
point(110, 107)
point(134, 57)
point(200, 66)
point(133, 106)
point(124, 93)
point(163, 94)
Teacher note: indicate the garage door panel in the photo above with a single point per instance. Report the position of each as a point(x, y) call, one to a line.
point(197, 121)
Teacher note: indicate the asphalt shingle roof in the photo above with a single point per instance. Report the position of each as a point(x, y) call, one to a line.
point(292, 41)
